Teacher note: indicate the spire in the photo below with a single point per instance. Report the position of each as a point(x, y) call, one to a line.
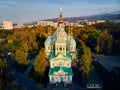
point(60, 20)
point(60, 12)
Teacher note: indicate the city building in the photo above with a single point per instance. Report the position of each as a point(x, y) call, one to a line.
point(61, 50)
point(1, 27)
point(7, 25)
point(100, 21)
point(45, 23)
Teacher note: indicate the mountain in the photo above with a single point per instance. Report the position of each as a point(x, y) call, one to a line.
point(107, 17)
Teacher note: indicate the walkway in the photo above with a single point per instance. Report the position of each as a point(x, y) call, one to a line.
point(31, 64)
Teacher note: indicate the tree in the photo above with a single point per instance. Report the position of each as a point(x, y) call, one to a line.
point(3, 64)
point(85, 60)
point(93, 41)
point(21, 54)
point(40, 39)
point(35, 45)
point(40, 63)
point(105, 42)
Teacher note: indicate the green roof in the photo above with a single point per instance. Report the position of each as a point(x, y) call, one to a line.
point(67, 57)
point(68, 54)
point(73, 52)
point(48, 41)
point(67, 70)
point(72, 41)
point(52, 55)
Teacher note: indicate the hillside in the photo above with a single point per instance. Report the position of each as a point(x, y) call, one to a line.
point(92, 17)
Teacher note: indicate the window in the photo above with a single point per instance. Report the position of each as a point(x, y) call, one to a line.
point(53, 64)
point(68, 64)
point(48, 48)
point(60, 64)
point(52, 79)
point(60, 48)
point(68, 79)
point(71, 47)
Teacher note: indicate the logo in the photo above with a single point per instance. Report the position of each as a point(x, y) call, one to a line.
point(94, 86)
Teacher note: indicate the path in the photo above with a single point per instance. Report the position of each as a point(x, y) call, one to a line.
point(31, 64)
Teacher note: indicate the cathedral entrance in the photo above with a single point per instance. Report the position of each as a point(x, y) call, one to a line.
point(60, 79)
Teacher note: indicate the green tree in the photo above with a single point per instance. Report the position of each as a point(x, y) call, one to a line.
point(40, 63)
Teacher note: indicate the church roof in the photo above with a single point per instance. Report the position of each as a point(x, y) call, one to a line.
point(72, 41)
point(68, 71)
point(60, 56)
point(48, 41)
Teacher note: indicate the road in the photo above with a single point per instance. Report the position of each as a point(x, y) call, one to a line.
point(104, 67)
point(108, 62)
point(23, 79)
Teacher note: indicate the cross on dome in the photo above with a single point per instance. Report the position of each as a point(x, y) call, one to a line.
point(60, 20)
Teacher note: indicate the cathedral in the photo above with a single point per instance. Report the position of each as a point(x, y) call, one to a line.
point(61, 50)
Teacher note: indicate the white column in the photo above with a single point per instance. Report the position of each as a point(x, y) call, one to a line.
point(50, 78)
point(71, 78)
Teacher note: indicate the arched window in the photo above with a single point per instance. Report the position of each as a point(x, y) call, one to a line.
point(60, 64)
point(60, 48)
point(52, 79)
point(68, 64)
point(53, 64)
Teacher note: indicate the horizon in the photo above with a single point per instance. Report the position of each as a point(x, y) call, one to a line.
point(22, 11)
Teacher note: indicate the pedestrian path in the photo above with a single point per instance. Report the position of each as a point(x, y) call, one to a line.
point(31, 64)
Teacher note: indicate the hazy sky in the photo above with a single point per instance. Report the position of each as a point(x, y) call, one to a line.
point(29, 10)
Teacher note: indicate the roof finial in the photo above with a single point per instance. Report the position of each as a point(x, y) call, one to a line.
point(60, 12)
point(60, 20)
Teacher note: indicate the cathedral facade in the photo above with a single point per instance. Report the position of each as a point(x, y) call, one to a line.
point(61, 50)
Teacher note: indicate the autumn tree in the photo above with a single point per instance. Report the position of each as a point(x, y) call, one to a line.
point(40, 63)
point(105, 42)
point(32, 43)
point(21, 54)
point(3, 64)
point(85, 60)
point(93, 40)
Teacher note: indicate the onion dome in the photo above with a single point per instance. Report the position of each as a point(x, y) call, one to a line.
point(48, 41)
point(72, 41)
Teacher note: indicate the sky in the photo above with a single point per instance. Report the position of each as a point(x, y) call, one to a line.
point(20, 11)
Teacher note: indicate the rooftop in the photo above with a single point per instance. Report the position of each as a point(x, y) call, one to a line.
point(68, 71)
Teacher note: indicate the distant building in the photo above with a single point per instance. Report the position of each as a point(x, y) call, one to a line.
point(7, 25)
point(45, 23)
point(91, 22)
point(55, 24)
point(19, 25)
point(1, 27)
point(100, 21)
